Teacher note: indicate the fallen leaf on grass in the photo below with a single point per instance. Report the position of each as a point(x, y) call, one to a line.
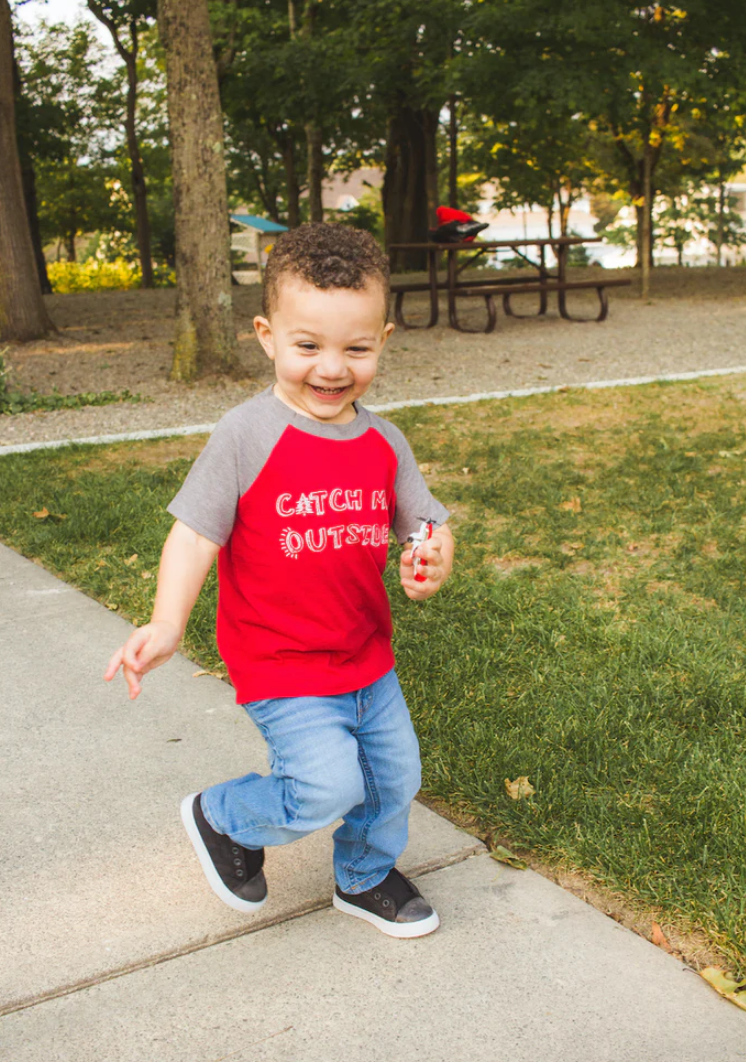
point(520, 788)
point(100, 564)
point(131, 560)
point(466, 471)
point(657, 937)
point(146, 575)
point(504, 855)
point(735, 991)
point(44, 514)
point(425, 467)
point(572, 506)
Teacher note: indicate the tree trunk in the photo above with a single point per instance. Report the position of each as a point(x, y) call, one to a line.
point(314, 141)
point(430, 132)
point(720, 232)
point(314, 135)
point(564, 210)
point(205, 337)
point(646, 233)
point(404, 187)
point(291, 180)
point(22, 312)
point(139, 190)
point(452, 154)
point(28, 178)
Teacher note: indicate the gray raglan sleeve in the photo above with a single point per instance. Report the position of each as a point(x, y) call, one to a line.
point(209, 495)
point(414, 502)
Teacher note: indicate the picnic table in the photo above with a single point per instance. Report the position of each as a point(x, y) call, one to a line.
point(544, 282)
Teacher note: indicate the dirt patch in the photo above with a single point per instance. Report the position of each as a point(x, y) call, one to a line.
point(148, 453)
point(511, 563)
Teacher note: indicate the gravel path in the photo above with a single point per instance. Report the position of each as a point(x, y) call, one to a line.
point(118, 340)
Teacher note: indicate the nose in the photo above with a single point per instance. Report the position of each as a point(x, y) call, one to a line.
point(331, 365)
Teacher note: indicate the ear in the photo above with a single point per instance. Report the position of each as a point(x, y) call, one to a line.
point(387, 330)
point(263, 330)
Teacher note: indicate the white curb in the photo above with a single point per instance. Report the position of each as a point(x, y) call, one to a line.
point(522, 392)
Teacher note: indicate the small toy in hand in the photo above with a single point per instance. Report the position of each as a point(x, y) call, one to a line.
point(417, 538)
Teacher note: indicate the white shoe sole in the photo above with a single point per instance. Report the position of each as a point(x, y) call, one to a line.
point(213, 878)
point(401, 930)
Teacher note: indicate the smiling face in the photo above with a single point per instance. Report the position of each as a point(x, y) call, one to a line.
point(325, 343)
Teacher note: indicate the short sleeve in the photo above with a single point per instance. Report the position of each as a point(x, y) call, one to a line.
point(414, 502)
point(209, 495)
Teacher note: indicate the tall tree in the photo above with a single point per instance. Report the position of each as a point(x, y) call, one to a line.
point(406, 49)
point(23, 315)
point(205, 336)
point(130, 17)
point(25, 137)
point(314, 134)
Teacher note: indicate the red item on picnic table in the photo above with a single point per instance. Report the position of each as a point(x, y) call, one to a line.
point(455, 226)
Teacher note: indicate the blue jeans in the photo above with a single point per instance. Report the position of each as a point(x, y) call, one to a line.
point(352, 756)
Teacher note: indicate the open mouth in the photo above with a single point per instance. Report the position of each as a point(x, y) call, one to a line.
point(328, 392)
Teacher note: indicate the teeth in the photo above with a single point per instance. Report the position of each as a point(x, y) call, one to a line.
point(329, 390)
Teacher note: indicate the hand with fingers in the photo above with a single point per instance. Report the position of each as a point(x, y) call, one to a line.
point(435, 558)
point(146, 648)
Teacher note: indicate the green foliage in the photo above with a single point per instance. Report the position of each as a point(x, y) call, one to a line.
point(96, 275)
point(70, 125)
point(363, 217)
point(583, 93)
point(552, 100)
point(69, 102)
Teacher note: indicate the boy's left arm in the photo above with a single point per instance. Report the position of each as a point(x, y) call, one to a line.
point(436, 557)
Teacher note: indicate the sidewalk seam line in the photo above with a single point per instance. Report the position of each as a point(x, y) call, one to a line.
point(409, 403)
point(427, 867)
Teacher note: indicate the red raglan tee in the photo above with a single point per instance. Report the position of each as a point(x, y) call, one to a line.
point(302, 511)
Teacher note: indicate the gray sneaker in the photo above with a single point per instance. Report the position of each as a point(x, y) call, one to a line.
point(395, 907)
point(233, 872)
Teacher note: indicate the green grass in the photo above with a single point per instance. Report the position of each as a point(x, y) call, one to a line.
point(591, 638)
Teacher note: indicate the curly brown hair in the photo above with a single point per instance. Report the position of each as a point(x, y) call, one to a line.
point(327, 256)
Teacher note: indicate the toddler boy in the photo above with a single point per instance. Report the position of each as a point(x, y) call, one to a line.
point(295, 493)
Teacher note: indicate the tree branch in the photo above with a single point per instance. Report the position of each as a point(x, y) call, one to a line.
point(95, 8)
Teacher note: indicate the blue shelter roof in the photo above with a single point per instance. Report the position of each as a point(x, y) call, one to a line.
point(251, 221)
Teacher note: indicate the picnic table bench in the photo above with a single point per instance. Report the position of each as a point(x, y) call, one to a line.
point(543, 283)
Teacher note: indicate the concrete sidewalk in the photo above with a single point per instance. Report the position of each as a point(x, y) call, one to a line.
point(115, 949)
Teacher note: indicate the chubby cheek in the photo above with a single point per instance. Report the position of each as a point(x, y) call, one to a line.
point(364, 376)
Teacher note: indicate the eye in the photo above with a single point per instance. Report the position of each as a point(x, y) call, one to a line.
point(359, 350)
point(308, 347)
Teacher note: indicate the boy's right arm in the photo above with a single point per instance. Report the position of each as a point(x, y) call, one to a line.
point(186, 559)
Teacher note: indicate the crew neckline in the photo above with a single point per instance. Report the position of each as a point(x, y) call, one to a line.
point(350, 429)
